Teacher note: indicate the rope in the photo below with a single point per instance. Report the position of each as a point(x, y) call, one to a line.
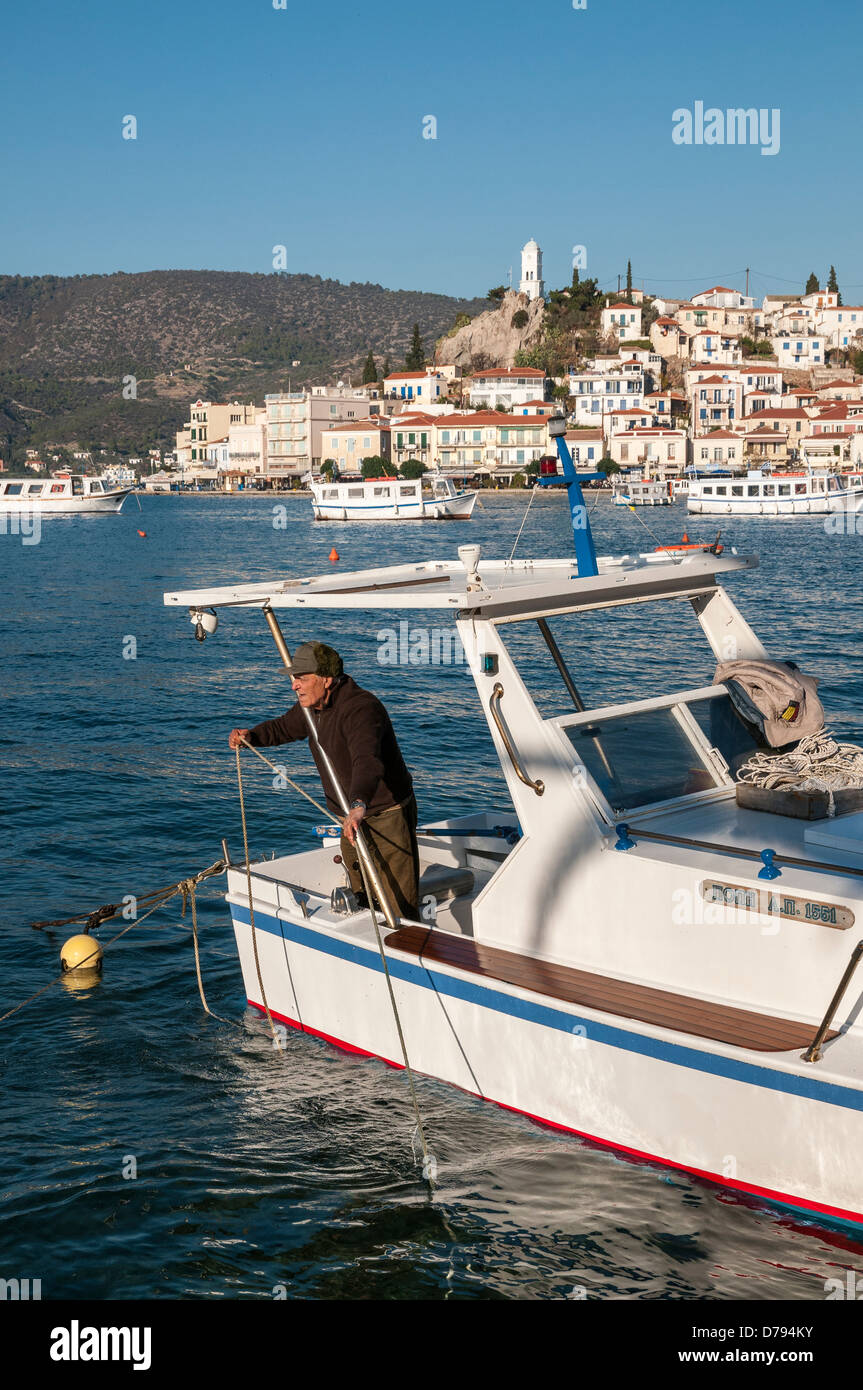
point(251, 907)
point(188, 887)
point(533, 493)
point(429, 1162)
point(818, 763)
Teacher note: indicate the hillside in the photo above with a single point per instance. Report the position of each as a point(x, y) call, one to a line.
point(67, 343)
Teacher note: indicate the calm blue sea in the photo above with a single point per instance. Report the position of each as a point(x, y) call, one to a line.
point(258, 1169)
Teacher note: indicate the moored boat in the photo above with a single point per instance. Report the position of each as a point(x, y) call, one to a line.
point(645, 492)
point(61, 495)
point(625, 952)
point(432, 498)
point(761, 493)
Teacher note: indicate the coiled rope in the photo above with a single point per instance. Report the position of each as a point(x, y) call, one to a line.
point(818, 763)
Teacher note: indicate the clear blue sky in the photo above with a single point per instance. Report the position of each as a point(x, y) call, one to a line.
point(303, 126)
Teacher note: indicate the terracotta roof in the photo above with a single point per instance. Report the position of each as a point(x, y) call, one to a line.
point(719, 289)
point(400, 376)
point(783, 413)
point(359, 426)
point(621, 304)
point(490, 417)
point(721, 434)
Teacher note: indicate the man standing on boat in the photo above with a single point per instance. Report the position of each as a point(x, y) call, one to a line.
point(357, 736)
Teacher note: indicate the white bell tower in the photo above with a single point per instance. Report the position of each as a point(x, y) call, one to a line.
point(531, 271)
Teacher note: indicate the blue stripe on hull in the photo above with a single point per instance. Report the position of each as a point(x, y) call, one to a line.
point(548, 1017)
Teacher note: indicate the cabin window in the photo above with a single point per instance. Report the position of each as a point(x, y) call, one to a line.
point(770, 490)
point(355, 492)
point(13, 489)
point(737, 492)
point(33, 487)
point(721, 491)
point(96, 485)
point(707, 491)
point(799, 487)
point(784, 489)
point(613, 751)
point(407, 492)
point(58, 487)
point(331, 494)
point(752, 490)
point(382, 492)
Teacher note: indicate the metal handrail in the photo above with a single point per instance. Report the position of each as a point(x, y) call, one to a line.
point(813, 1051)
point(738, 851)
point(494, 706)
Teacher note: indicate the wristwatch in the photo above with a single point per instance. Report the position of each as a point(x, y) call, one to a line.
point(355, 804)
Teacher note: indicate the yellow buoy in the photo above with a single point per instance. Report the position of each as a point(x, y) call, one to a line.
point(83, 954)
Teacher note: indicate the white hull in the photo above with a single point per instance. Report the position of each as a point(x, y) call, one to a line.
point(760, 1123)
point(102, 504)
point(458, 509)
point(785, 506)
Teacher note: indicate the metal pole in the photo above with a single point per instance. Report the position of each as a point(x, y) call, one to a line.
point(813, 1051)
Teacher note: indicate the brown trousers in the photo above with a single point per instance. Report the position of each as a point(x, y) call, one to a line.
point(392, 837)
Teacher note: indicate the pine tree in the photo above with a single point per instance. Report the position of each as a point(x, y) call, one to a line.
point(416, 358)
point(370, 371)
point(575, 277)
point(812, 285)
point(629, 281)
point(385, 369)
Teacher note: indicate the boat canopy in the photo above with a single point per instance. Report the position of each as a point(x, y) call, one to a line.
point(504, 590)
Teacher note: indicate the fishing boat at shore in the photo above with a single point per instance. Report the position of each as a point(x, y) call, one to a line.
point(760, 493)
point(61, 495)
point(432, 498)
point(645, 492)
point(629, 950)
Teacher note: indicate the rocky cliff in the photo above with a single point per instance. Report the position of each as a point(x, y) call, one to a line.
point(490, 339)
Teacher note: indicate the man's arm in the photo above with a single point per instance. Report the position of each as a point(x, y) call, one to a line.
point(286, 729)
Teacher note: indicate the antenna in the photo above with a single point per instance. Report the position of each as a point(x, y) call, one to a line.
point(510, 277)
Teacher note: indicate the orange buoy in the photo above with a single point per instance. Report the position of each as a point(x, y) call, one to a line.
point(684, 540)
point(334, 554)
point(142, 533)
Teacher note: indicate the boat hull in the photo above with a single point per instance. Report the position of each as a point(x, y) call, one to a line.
point(105, 504)
point(763, 1124)
point(450, 509)
point(784, 506)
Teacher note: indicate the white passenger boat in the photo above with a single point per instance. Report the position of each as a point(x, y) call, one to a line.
point(761, 493)
point(646, 492)
point(61, 495)
point(432, 498)
point(624, 952)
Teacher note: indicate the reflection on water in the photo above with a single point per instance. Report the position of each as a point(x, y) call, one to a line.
point(258, 1168)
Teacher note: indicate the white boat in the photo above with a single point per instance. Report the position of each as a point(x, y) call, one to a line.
point(434, 498)
point(761, 493)
point(623, 952)
point(646, 492)
point(61, 495)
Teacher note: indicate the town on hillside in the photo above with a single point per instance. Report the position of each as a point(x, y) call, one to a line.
point(658, 388)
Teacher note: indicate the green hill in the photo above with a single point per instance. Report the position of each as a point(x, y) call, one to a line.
point(66, 345)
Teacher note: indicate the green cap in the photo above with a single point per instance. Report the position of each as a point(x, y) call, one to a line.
point(316, 659)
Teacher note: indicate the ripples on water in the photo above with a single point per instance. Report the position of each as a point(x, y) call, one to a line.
point(258, 1168)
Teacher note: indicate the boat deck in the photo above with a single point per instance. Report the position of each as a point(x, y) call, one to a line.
point(661, 1008)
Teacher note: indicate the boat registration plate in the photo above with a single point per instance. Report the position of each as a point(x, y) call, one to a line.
point(773, 903)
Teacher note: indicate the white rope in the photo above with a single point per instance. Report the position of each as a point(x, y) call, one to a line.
point(818, 763)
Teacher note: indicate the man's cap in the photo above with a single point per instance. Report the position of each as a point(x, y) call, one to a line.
point(316, 659)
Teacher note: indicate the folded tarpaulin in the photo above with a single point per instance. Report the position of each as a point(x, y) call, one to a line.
point(774, 696)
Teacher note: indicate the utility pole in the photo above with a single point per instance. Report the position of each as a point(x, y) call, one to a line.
point(747, 282)
point(618, 286)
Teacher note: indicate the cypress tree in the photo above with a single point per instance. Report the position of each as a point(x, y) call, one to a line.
point(833, 283)
point(629, 281)
point(370, 371)
point(416, 358)
point(812, 285)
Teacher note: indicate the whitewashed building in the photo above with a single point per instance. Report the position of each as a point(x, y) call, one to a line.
point(621, 321)
point(507, 387)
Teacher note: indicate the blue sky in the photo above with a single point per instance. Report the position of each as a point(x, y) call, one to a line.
point(302, 127)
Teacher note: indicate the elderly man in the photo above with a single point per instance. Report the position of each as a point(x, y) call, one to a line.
point(355, 732)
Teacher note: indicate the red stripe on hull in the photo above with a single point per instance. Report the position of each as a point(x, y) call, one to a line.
point(767, 1193)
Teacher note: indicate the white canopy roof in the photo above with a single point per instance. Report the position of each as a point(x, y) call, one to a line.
point(508, 588)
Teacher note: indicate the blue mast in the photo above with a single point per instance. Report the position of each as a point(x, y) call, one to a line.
point(585, 551)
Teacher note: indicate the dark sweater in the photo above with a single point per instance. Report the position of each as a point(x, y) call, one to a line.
point(357, 736)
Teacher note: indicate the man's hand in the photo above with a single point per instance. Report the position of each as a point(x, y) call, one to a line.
point(354, 818)
point(236, 737)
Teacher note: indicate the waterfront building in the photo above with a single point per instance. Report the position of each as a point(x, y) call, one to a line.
point(598, 393)
point(349, 445)
point(411, 438)
point(654, 452)
point(719, 449)
point(587, 447)
point(296, 421)
point(209, 421)
point(716, 401)
point(490, 441)
point(507, 387)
